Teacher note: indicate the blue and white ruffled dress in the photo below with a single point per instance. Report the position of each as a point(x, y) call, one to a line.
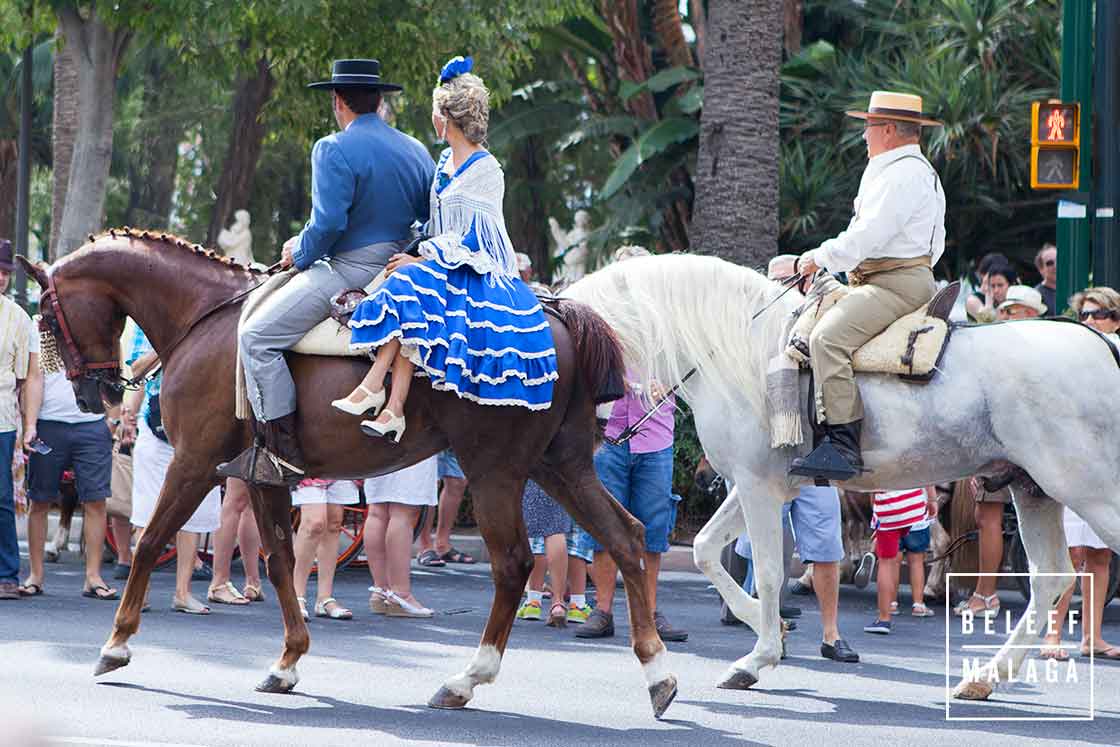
point(463, 316)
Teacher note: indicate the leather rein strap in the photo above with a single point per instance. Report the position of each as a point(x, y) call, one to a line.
point(97, 369)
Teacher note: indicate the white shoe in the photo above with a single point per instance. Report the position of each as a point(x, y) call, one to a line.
point(394, 425)
point(400, 607)
point(370, 404)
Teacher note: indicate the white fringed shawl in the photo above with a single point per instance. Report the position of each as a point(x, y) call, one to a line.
point(473, 198)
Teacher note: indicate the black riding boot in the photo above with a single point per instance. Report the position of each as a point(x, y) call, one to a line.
point(836, 458)
point(274, 459)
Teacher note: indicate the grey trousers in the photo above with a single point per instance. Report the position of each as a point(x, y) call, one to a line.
point(290, 313)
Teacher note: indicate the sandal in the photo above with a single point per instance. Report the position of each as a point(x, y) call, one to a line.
point(226, 593)
point(455, 555)
point(30, 590)
point(191, 606)
point(101, 591)
point(377, 603)
point(430, 559)
point(1057, 653)
point(558, 616)
point(253, 592)
point(335, 612)
point(918, 609)
point(1112, 653)
point(990, 606)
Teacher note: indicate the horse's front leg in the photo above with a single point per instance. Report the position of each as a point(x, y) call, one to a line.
point(763, 516)
point(184, 487)
point(726, 524)
point(272, 507)
point(1043, 533)
point(497, 507)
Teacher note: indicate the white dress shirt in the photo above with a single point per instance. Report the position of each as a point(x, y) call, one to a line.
point(899, 213)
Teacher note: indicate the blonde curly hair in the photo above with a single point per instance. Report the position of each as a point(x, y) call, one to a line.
point(1103, 296)
point(465, 101)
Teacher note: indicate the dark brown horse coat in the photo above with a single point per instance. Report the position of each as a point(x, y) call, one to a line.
point(179, 296)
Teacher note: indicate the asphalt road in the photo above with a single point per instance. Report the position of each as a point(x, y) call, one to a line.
point(366, 681)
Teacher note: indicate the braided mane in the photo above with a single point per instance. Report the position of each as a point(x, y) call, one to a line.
point(171, 240)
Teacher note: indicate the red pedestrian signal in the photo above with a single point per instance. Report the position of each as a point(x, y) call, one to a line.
point(1055, 145)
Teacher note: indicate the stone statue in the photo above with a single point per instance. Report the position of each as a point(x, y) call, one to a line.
point(572, 246)
point(237, 241)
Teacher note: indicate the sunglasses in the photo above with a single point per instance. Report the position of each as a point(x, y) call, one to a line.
point(1099, 314)
point(1049, 263)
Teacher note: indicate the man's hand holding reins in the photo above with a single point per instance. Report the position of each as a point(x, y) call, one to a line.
point(286, 259)
point(806, 265)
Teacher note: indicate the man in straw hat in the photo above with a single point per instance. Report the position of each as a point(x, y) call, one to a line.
point(369, 183)
point(888, 250)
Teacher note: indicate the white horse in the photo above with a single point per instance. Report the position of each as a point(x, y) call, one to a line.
point(1037, 394)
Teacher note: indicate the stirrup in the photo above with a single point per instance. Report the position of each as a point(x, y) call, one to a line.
point(824, 463)
point(259, 466)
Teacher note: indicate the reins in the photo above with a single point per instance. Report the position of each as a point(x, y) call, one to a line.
point(787, 285)
point(97, 370)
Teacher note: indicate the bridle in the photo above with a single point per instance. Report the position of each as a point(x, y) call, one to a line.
point(109, 372)
point(106, 372)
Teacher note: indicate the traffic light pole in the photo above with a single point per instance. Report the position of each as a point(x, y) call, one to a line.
point(1106, 193)
point(1077, 78)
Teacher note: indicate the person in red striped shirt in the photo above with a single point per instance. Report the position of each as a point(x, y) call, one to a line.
point(895, 511)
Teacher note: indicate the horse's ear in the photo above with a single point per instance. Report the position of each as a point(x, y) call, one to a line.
point(38, 272)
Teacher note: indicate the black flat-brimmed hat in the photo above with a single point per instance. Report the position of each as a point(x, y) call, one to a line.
point(7, 262)
point(356, 74)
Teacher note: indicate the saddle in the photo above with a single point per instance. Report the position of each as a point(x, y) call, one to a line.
point(910, 348)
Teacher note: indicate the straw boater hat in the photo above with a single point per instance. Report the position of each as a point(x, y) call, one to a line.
point(1024, 295)
point(902, 107)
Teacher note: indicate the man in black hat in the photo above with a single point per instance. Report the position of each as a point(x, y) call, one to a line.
point(20, 395)
point(369, 184)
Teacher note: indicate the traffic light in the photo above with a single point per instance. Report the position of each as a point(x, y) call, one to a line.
point(1055, 145)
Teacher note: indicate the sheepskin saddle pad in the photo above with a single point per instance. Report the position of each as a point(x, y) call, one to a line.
point(911, 347)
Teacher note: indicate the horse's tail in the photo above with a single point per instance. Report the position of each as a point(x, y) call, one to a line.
point(598, 353)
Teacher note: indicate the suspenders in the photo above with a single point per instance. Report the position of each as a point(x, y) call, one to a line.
point(936, 187)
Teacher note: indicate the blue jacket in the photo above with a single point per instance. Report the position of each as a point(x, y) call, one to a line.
point(369, 183)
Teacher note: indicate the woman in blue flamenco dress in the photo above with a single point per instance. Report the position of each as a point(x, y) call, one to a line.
point(458, 314)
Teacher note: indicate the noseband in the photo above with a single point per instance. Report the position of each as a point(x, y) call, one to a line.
point(106, 372)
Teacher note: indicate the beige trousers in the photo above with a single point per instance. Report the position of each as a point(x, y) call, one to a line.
point(865, 312)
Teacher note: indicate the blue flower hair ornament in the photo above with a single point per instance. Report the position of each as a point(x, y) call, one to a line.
point(455, 67)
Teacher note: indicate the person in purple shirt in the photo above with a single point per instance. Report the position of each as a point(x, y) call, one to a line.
point(639, 474)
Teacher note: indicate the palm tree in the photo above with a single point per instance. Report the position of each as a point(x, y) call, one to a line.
point(736, 210)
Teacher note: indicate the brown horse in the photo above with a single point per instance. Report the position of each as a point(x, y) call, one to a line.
point(181, 297)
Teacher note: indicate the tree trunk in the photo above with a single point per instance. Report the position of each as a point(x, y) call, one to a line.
point(736, 208)
point(9, 171)
point(526, 210)
point(64, 129)
point(98, 51)
point(667, 25)
point(794, 21)
point(151, 175)
point(698, 19)
point(245, 141)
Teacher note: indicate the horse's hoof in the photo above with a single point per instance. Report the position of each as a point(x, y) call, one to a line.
point(107, 664)
point(971, 690)
point(274, 684)
point(661, 695)
point(447, 700)
point(737, 679)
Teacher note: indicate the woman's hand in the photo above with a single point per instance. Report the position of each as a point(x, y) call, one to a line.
point(397, 261)
point(806, 265)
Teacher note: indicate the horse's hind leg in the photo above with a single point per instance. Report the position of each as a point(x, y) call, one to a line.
point(497, 508)
point(184, 489)
point(726, 524)
point(1042, 530)
point(764, 527)
point(272, 507)
point(577, 488)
